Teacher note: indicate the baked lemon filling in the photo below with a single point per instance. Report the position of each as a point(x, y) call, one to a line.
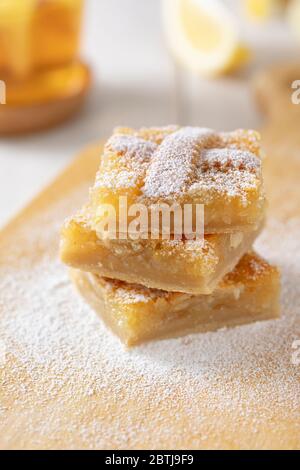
point(136, 314)
point(193, 266)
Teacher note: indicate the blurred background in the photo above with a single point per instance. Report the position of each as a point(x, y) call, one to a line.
point(150, 62)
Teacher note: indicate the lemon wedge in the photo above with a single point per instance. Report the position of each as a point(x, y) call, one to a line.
point(203, 35)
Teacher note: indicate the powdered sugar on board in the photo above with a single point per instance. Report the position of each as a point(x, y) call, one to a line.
point(89, 392)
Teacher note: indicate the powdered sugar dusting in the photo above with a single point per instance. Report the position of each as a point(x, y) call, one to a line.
point(227, 172)
point(58, 352)
point(133, 147)
point(132, 293)
point(173, 165)
point(226, 160)
point(133, 153)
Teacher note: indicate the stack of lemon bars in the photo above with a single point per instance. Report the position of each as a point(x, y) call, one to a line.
point(154, 286)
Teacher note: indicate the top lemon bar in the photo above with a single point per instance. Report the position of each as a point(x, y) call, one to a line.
point(186, 165)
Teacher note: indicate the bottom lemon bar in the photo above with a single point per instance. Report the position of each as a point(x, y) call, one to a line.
point(137, 314)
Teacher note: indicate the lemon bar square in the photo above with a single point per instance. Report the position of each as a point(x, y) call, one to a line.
point(185, 165)
point(137, 314)
point(191, 266)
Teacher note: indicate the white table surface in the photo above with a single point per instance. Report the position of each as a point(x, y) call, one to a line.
point(134, 84)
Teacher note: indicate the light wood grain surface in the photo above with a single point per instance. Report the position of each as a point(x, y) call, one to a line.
point(39, 409)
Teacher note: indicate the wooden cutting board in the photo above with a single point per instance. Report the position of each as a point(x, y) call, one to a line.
point(66, 382)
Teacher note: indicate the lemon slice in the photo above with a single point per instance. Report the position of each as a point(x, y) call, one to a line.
point(203, 35)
